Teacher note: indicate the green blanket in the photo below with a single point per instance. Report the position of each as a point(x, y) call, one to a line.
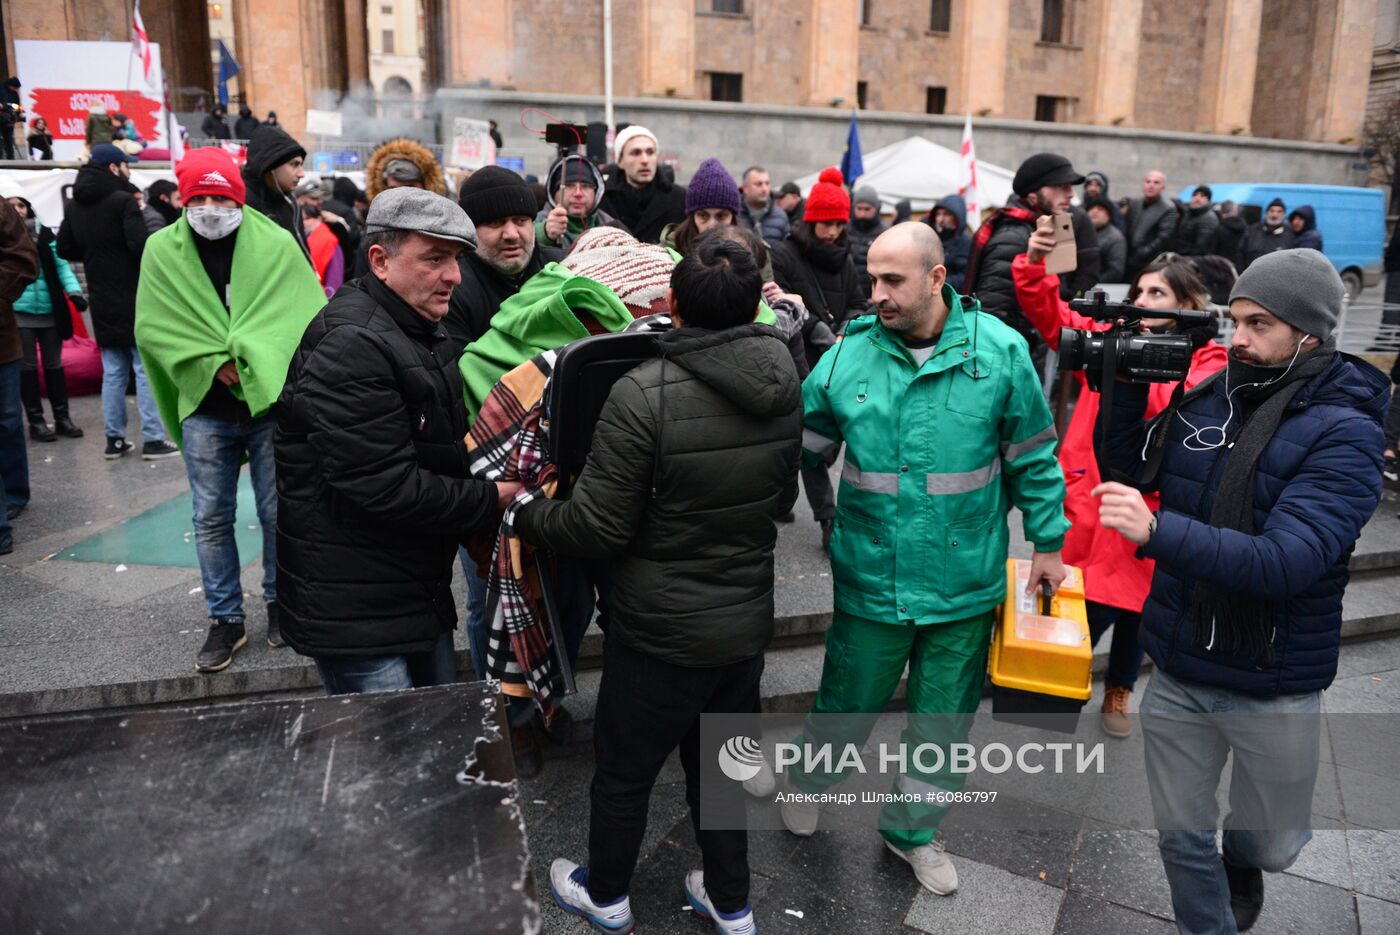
point(538, 318)
point(185, 334)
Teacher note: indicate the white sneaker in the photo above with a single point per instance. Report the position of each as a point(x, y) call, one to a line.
point(738, 923)
point(569, 884)
point(800, 817)
point(763, 783)
point(931, 866)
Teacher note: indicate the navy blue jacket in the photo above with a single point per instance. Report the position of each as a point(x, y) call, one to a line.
point(1318, 482)
point(1309, 236)
point(956, 243)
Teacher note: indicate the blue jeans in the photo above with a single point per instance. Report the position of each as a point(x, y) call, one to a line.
point(213, 451)
point(1188, 730)
point(116, 362)
point(14, 457)
point(352, 675)
point(574, 586)
point(1125, 652)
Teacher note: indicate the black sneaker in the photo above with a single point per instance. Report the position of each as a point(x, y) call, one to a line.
point(1391, 469)
point(1246, 894)
point(7, 545)
point(226, 637)
point(116, 447)
point(40, 432)
point(13, 510)
point(274, 627)
point(154, 451)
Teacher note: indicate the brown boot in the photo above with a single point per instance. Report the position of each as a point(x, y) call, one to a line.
point(1116, 722)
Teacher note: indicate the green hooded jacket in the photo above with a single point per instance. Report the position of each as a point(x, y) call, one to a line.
point(935, 457)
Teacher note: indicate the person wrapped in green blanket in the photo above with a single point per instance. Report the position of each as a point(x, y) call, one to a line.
point(225, 296)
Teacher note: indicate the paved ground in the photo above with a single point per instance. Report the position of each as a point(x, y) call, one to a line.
point(100, 627)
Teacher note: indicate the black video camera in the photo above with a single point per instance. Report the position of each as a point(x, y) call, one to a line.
point(1123, 351)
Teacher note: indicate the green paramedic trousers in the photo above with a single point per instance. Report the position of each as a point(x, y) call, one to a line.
point(864, 662)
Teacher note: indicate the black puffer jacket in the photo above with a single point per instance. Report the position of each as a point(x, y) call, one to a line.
point(269, 148)
point(373, 492)
point(1195, 235)
point(694, 458)
point(482, 290)
point(824, 275)
point(104, 230)
point(993, 286)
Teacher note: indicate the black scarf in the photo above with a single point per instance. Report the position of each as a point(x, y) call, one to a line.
point(830, 257)
point(1229, 622)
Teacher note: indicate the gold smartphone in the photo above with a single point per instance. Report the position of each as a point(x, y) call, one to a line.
point(1065, 257)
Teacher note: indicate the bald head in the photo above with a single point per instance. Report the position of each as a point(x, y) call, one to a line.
point(1153, 183)
point(915, 236)
point(906, 277)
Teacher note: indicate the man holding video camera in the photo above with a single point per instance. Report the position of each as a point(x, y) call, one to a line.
point(1267, 473)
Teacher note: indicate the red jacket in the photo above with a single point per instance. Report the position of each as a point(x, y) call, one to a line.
point(1112, 575)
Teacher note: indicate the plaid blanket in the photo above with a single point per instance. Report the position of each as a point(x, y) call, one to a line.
point(508, 443)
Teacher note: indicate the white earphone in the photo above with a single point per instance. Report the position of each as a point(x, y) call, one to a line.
point(1197, 440)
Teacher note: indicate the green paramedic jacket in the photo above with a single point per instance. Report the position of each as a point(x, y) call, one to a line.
point(935, 456)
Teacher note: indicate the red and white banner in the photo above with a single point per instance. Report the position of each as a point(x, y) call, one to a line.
point(967, 177)
point(64, 80)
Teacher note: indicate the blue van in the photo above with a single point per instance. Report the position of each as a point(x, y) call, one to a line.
point(1351, 220)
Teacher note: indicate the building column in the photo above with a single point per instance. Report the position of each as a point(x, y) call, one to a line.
point(984, 42)
point(833, 52)
point(356, 45)
point(1229, 64)
point(1116, 58)
point(1338, 96)
point(668, 47)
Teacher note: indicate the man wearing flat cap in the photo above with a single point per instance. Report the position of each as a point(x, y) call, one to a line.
point(1043, 184)
point(374, 491)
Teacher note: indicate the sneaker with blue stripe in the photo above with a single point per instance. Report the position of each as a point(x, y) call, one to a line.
point(726, 923)
point(569, 884)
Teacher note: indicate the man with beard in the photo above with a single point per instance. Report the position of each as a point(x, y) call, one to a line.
point(949, 219)
point(1266, 236)
point(1267, 472)
point(637, 193)
point(1043, 185)
point(573, 184)
point(865, 226)
point(945, 427)
point(502, 207)
point(815, 263)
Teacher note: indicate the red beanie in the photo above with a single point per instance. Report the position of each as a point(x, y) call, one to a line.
point(209, 171)
point(828, 201)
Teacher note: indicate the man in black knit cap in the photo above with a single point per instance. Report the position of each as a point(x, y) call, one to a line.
point(503, 209)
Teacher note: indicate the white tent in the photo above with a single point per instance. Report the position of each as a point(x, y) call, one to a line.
point(43, 188)
point(923, 172)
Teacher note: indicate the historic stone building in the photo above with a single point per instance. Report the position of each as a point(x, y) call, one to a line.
point(1292, 69)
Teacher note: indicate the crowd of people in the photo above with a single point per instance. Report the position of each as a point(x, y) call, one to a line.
point(379, 359)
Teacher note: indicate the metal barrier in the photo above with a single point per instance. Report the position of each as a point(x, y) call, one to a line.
point(1364, 327)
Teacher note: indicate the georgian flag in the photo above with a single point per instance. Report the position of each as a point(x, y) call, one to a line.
point(967, 177)
point(140, 44)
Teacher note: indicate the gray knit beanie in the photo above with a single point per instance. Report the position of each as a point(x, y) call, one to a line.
point(865, 195)
point(1300, 287)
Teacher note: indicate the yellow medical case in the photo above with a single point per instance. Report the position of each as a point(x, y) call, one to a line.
point(1041, 658)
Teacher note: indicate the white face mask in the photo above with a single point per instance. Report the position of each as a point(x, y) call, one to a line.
point(214, 222)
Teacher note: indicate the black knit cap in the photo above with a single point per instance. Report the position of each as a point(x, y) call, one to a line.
point(493, 192)
point(1044, 169)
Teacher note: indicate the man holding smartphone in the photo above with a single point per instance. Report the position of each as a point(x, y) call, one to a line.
point(1043, 184)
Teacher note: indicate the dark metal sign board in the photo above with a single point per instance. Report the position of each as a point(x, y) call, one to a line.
point(393, 812)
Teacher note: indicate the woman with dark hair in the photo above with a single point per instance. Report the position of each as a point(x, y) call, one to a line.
point(1116, 582)
point(40, 139)
point(711, 200)
point(44, 324)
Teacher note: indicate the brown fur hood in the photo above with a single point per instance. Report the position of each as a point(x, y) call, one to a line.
point(415, 153)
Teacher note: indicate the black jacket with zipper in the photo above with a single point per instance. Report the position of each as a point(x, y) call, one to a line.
point(373, 490)
point(694, 457)
point(665, 205)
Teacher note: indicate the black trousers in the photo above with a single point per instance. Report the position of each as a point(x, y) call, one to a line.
point(647, 708)
point(49, 344)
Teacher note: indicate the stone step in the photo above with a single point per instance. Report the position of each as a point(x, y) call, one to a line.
point(789, 682)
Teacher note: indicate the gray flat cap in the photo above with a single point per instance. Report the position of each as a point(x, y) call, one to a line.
point(420, 212)
point(401, 170)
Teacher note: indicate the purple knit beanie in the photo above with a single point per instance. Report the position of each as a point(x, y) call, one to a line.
point(712, 187)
